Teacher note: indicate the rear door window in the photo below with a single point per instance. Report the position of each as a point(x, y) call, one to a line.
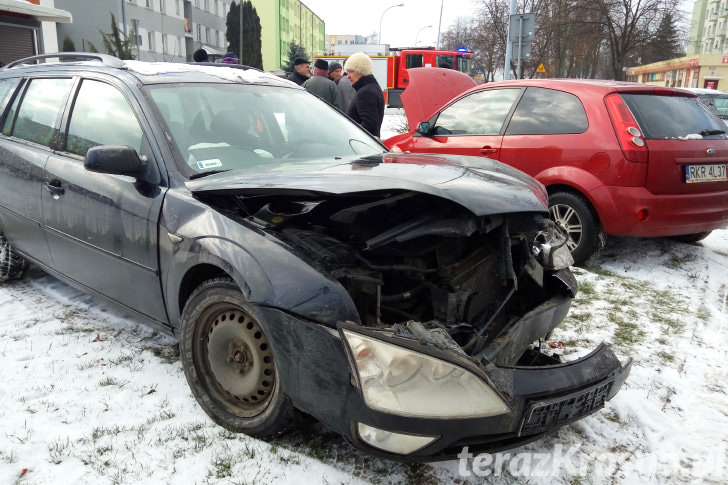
point(481, 113)
point(548, 112)
point(673, 117)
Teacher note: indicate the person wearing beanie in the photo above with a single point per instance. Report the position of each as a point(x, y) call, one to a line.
point(200, 55)
point(367, 108)
point(335, 71)
point(301, 70)
point(322, 86)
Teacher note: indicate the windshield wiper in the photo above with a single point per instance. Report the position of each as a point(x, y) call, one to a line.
point(712, 132)
point(205, 174)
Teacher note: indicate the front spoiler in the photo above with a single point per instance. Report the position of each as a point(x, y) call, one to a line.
point(316, 375)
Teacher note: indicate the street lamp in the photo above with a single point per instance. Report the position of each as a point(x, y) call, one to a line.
point(380, 19)
point(418, 32)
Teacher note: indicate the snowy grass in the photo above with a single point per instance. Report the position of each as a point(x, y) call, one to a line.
point(92, 396)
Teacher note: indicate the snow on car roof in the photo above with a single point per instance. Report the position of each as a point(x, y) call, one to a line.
point(251, 76)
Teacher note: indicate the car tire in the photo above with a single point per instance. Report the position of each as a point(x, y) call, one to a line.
point(692, 238)
point(12, 265)
point(577, 217)
point(229, 363)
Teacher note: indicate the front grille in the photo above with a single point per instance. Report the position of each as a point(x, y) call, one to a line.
point(545, 415)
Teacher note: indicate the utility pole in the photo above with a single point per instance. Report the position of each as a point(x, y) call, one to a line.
point(509, 48)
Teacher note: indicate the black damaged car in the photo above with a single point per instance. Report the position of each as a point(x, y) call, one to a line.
point(397, 298)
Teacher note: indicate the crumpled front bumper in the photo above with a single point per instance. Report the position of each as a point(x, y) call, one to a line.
point(317, 375)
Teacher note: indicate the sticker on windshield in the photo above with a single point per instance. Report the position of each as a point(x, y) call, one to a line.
point(206, 164)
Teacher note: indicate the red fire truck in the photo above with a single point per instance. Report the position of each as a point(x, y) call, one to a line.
point(391, 71)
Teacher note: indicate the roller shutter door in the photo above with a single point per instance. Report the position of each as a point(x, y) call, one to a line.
point(16, 43)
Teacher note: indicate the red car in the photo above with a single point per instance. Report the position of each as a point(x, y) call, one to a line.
point(617, 158)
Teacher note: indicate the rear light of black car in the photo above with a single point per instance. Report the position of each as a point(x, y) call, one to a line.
point(628, 133)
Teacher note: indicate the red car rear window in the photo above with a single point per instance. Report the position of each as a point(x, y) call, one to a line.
point(672, 117)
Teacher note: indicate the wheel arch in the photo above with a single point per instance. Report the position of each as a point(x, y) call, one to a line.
point(576, 181)
point(193, 278)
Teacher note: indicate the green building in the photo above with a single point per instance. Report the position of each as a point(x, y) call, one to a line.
point(286, 21)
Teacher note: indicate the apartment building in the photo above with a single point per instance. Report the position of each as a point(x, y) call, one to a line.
point(171, 30)
point(708, 28)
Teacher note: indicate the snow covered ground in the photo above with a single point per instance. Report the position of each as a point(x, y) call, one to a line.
point(88, 395)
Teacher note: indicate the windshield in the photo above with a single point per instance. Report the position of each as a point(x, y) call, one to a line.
point(219, 127)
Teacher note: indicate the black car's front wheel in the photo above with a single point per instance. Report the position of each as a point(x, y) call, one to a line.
point(576, 216)
point(229, 362)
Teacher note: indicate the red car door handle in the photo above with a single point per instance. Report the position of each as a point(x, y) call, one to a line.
point(486, 150)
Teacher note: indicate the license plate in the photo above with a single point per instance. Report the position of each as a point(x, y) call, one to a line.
point(705, 173)
point(542, 416)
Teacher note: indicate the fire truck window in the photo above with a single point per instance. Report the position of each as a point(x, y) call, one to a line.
point(481, 113)
point(414, 60)
point(464, 65)
point(445, 61)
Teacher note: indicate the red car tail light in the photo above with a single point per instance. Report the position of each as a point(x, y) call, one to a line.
point(628, 133)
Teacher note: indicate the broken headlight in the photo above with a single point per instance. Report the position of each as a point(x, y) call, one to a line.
point(400, 381)
point(551, 249)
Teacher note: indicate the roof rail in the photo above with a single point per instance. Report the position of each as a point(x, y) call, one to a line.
point(105, 59)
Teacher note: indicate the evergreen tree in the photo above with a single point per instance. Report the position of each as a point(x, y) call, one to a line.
point(294, 50)
point(68, 45)
point(252, 45)
point(114, 44)
point(666, 43)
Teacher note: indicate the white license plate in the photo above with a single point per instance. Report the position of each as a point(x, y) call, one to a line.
point(705, 173)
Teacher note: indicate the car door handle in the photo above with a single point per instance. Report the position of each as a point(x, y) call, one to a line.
point(486, 150)
point(55, 188)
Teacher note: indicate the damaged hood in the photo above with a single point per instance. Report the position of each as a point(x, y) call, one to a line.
point(429, 90)
point(481, 185)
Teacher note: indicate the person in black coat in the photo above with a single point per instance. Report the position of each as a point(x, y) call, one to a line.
point(301, 71)
point(367, 108)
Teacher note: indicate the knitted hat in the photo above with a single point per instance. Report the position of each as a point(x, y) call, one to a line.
point(301, 60)
point(334, 66)
point(321, 64)
point(200, 55)
point(360, 63)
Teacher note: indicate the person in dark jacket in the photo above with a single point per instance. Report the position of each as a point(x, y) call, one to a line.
point(230, 58)
point(367, 108)
point(322, 86)
point(301, 71)
point(335, 71)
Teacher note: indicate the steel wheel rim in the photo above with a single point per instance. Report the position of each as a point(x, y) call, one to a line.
point(569, 219)
point(236, 360)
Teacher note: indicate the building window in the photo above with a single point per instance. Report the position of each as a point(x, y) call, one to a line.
point(150, 40)
point(162, 7)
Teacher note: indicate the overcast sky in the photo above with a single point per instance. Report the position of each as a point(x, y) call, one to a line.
point(401, 26)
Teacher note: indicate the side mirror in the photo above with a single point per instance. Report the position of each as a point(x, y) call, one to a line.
point(424, 127)
point(113, 159)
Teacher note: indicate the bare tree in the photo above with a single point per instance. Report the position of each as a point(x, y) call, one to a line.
point(572, 38)
point(629, 24)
